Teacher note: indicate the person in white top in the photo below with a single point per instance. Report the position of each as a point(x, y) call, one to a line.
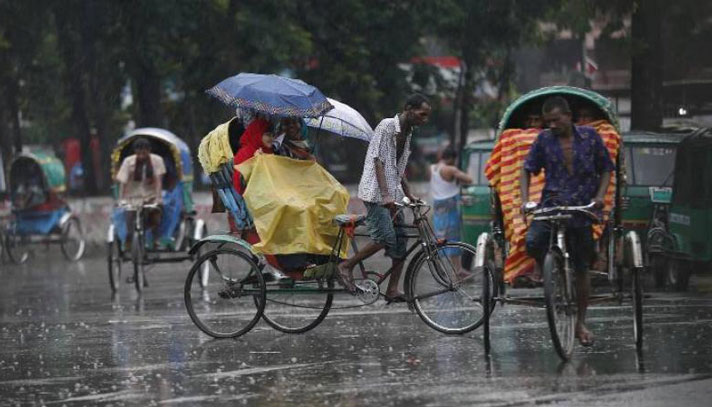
point(445, 180)
point(141, 181)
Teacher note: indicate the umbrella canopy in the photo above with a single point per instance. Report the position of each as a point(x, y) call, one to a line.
point(272, 95)
point(343, 120)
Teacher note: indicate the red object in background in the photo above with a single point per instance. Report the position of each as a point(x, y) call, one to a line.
point(72, 153)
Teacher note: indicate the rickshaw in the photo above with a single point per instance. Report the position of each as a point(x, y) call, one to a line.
point(683, 243)
point(179, 224)
point(39, 213)
point(239, 291)
point(501, 251)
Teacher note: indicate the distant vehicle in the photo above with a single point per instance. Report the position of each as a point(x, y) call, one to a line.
point(476, 207)
point(680, 244)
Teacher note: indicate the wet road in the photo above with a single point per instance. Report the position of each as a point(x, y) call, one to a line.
point(65, 341)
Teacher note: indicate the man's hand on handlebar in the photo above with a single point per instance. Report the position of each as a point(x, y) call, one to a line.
point(597, 203)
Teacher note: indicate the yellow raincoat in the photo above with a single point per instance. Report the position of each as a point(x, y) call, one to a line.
point(293, 203)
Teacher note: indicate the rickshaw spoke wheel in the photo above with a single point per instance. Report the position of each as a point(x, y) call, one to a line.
point(73, 243)
point(298, 308)
point(446, 296)
point(16, 248)
point(559, 301)
point(233, 298)
point(114, 263)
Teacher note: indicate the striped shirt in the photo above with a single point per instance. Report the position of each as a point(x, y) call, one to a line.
point(383, 147)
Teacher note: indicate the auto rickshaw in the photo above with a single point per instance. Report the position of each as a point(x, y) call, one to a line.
point(686, 245)
point(650, 161)
point(179, 223)
point(476, 206)
point(620, 257)
point(39, 213)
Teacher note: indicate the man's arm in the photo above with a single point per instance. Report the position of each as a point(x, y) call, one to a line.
point(406, 189)
point(602, 188)
point(450, 171)
point(382, 185)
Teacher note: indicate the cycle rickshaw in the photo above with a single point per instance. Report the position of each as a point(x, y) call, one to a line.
point(238, 292)
point(179, 224)
point(39, 213)
point(501, 253)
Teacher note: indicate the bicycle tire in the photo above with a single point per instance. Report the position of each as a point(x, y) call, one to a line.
point(637, 295)
point(114, 264)
point(425, 284)
point(557, 289)
point(137, 252)
point(321, 302)
point(16, 249)
point(208, 299)
point(73, 224)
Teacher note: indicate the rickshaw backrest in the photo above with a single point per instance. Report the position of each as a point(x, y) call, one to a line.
point(235, 204)
point(40, 174)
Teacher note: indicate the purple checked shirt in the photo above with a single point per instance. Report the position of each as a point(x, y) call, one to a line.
point(590, 160)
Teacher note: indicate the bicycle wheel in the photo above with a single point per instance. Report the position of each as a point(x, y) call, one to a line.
point(447, 297)
point(16, 248)
point(560, 309)
point(234, 298)
point(73, 243)
point(113, 259)
point(137, 253)
point(637, 294)
point(297, 309)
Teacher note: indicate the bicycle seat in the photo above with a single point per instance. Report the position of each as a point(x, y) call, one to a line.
point(348, 219)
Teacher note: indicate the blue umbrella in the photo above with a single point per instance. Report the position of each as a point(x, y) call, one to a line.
point(272, 95)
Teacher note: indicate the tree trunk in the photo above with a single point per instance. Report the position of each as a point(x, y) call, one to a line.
point(647, 67)
point(75, 67)
point(148, 90)
point(12, 93)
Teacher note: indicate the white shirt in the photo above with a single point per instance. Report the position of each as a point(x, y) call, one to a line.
point(383, 147)
point(439, 188)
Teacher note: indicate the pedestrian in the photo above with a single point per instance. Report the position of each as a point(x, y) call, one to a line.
point(445, 181)
point(577, 169)
point(382, 184)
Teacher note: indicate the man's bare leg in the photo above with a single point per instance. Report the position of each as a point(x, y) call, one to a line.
point(583, 288)
point(394, 279)
point(345, 268)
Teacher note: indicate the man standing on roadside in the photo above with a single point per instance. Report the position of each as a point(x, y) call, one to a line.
point(382, 184)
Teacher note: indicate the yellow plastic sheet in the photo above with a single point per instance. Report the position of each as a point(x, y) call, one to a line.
point(214, 149)
point(293, 203)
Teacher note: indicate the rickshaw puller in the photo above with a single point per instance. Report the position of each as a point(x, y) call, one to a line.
point(578, 170)
point(383, 183)
point(140, 181)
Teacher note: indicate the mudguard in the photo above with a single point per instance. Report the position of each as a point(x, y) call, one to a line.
point(483, 242)
point(222, 239)
point(634, 249)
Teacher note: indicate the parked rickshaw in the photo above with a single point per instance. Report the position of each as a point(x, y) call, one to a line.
point(682, 240)
point(239, 291)
point(39, 213)
point(178, 221)
point(622, 253)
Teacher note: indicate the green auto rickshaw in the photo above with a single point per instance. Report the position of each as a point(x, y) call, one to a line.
point(689, 217)
point(476, 216)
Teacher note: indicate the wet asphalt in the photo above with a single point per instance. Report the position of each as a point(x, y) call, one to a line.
point(65, 340)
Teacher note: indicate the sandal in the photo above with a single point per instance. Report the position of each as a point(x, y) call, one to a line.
point(585, 338)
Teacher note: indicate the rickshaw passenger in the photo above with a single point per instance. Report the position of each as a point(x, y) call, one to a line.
point(578, 170)
point(290, 143)
point(140, 181)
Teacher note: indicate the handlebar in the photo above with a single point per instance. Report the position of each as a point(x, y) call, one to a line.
point(541, 213)
point(411, 204)
point(135, 206)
